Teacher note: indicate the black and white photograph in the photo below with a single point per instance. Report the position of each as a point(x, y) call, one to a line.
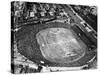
point(53, 37)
